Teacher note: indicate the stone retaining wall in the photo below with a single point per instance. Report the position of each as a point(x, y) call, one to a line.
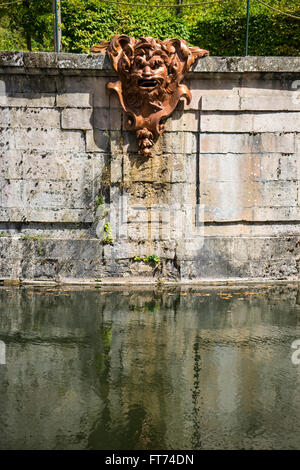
point(219, 199)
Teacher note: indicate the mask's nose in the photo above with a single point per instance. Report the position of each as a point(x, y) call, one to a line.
point(147, 71)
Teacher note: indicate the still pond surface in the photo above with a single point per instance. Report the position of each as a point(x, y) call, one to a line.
point(189, 368)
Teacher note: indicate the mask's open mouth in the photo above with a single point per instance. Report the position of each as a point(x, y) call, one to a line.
point(149, 83)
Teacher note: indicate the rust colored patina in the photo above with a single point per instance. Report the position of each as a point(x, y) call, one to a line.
point(150, 85)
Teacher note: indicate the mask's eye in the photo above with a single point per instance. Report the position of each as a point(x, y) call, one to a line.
point(139, 62)
point(156, 64)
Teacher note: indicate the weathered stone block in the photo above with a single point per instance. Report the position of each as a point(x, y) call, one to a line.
point(116, 168)
point(97, 141)
point(74, 100)
point(39, 84)
point(11, 58)
point(10, 268)
point(279, 167)
point(75, 118)
point(123, 142)
point(183, 193)
point(229, 167)
point(246, 143)
point(11, 193)
point(59, 194)
point(183, 168)
point(297, 157)
point(28, 100)
point(98, 87)
point(11, 214)
point(220, 102)
point(53, 166)
point(149, 193)
point(5, 117)
point(43, 139)
point(53, 215)
point(47, 195)
point(108, 119)
point(36, 60)
point(183, 121)
point(227, 213)
point(11, 164)
point(226, 195)
point(243, 65)
point(275, 229)
point(276, 122)
point(135, 168)
point(237, 229)
point(279, 193)
point(114, 102)
point(95, 86)
point(80, 62)
point(276, 102)
point(250, 122)
point(269, 214)
point(34, 118)
point(252, 85)
point(258, 101)
point(297, 144)
point(201, 87)
point(270, 166)
point(177, 142)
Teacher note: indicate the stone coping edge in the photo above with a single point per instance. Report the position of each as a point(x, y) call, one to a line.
point(70, 61)
point(149, 282)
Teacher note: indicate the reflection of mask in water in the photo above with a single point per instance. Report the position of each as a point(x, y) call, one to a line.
point(2, 352)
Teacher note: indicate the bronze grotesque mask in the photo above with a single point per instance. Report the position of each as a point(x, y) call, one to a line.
point(150, 85)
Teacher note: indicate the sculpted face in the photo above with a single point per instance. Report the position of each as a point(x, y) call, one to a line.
point(149, 71)
point(150, 85)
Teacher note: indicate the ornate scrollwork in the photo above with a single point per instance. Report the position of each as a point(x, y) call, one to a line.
point(150, 85)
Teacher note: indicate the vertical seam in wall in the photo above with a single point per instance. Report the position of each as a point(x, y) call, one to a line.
point(55, 91)
point(109, 131)
point(85, 139)
point(122, 161)
point(198, 151)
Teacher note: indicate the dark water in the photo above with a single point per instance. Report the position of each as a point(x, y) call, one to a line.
point(149, 369)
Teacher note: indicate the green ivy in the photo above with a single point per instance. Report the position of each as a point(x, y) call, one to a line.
point(108, 238)
point(152, 259)
point(100, 201)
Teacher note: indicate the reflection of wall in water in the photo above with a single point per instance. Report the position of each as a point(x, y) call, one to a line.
point(239, 367)
point(150, 368)
point(48, 396)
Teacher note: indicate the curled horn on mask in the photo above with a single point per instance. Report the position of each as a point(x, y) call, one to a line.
point(182, 56)
point(120, 49)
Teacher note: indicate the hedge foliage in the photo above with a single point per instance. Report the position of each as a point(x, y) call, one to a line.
point(219, 27)
point(87, 23)
point(268, 36)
